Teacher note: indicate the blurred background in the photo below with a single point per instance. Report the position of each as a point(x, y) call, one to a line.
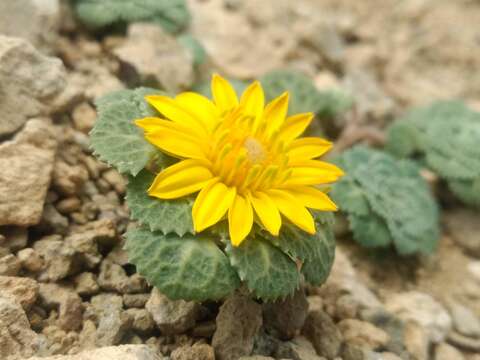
point(359, 65)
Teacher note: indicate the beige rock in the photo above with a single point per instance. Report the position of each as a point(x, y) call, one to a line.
point(323, 333)
point(142, 320)
point(30, 260)
point(27, 163)
point(9, 265)
point(58, 258)
point(238, 322)
point(86, 284)
point(195, 352)
point(157, 56)
point(69, 304)
point(30, 82)
point(116, 180)
point(123, 352)
point(416, 340)
point(83, 116)
point(363, 334)
point(445, 351)
point(24, 290)
point(172, 316)
point(17, 340)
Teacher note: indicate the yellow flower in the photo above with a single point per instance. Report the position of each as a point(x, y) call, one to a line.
point(245, 158)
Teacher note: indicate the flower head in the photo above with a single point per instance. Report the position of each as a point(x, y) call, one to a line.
point(245, 159)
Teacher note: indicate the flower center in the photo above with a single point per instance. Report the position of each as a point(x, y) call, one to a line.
point(255, 151)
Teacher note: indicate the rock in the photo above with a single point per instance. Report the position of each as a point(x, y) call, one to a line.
point(112, 321)
point(112, 277)
point(16, 237)
point(423, 309)
point(27, 163)
point(135, 300)
point(68, 205)
point(85, 245)
point(84, 116)
point(343, 278)
point(256, 357)
point(17, 340)
point(464, 342)
point(9, 265)
point(346, 307)
point(298, 348)
point(117, 181)
point(52, 221)
point(323, 334)
point(157, 57)
point(142, 320)
point(30, 260)
point(172, 316)
point(31, 82)
point(445, 351)
point(123, 352)
point(462, 225)
point(69, 179)
point(363, 334)
point(353, 352)
point(86, 284)
point(36, 21)
point(416, 340)
point(69, 304)
point(238, 321)
point(195, 352)
point(464, 320)
point(58, 257)
point(285, 318)
point(24, 290)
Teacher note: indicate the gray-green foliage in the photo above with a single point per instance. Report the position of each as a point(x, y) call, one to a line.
point(386, 201)
point(304, 97)
point(115, 138)
point(172, 15)
point(165, 248)
point(445, 136)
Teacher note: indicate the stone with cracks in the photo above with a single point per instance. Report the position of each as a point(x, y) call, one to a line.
point(26, 163)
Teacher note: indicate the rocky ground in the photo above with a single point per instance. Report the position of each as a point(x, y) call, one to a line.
point(66, 287)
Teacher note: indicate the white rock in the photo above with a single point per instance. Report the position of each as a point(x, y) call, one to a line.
point(30, 83)
point(423, 309)
point(27, 164)
point(123, 352)
point(156, 55)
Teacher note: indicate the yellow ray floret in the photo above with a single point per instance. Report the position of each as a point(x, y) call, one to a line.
point(245, 159)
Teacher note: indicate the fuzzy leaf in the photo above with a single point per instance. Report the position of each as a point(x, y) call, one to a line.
point(115, 138)
point(466, 190)
point(172, 15)
point(370, 231)
point(166, 216)
point(316, 251)
point(304, 97)
point(400, 208)
point(189, 267)
point(267, 271)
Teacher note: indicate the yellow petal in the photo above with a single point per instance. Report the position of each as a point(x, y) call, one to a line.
point(223, 94)
point(312, 172)
point(176, 112)
point(211, 204)
point(293, 210)
point(201, 107)
point(150, 124)
point(267, 212)
point(313, 198)
point(253, 102)
point(294, 126)
point(275, 112)
point(308, 148)
point(183, 178)
point(240, 219)
point(175, 139)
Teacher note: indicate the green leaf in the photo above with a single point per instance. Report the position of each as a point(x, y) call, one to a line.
point(267, 271)
point(303, 94)
point(467, 190)
point(189, 267)
point(115, 138)
point(350, 196)
point(370, 231)
point(167, 216)
point(172, 15)
point(316, 251)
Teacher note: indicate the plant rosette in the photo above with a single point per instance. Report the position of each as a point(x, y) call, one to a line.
point(225, 191)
